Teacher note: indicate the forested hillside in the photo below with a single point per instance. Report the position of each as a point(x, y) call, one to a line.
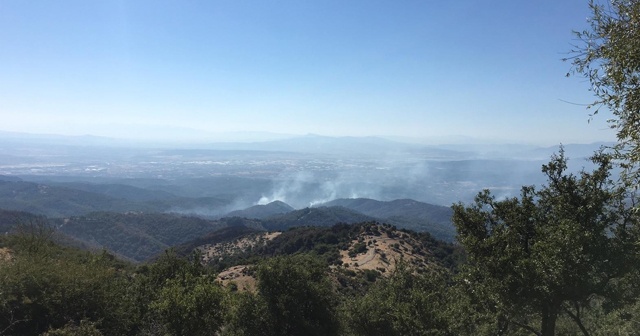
point(262, 211)
point(324, 216)
point(72, 199)
point(135, 236)
point(404, 213)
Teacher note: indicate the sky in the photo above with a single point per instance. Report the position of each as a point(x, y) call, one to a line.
point(488, 70)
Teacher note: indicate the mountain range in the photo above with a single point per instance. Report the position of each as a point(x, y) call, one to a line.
point(468, 148)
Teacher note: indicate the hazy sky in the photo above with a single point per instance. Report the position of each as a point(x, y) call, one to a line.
point(487, 69)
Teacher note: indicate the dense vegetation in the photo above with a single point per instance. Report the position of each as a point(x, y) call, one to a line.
point(135, 235)
point(50, 289)
point(575, 236)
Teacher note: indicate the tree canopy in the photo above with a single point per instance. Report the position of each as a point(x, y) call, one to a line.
point(551, 250)
point(608, 55)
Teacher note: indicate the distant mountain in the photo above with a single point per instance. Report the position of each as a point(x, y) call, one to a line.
point(7, 178)
point(400, 207)
point(522, 151)
point(10, 219)
point(405, 213)
point(322, 216)
point(54, 201)
point(60, 199)
point(317, 144)
point(262, 211)
point(152, 200)
point(572, 151)
point(135, 236)
point(120, 191)
point(227, 187)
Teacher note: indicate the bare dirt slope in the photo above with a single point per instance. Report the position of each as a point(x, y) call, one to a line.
point(382, 252)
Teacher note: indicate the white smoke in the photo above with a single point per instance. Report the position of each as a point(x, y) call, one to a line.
point(286, 189)
point(305, 189)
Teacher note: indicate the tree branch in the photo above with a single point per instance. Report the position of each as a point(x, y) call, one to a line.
point(576, 318)
point(527, 327)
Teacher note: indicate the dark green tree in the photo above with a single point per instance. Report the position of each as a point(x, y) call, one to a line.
point(299, 297)
point(190, 305)
point(403, 304)
point(46, 287)
point(550, 251)
point(608, 55)
point(247, 315)
point(162, 292)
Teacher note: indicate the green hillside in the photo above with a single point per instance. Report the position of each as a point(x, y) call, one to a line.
point(136, 236)
point(262, 211)
point(404, 213)
point(57, 201)
point(323, 216)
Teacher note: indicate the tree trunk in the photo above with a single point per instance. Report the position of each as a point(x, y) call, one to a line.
point(549, 316)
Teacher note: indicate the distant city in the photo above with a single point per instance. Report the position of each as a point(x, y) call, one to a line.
point(300, 171)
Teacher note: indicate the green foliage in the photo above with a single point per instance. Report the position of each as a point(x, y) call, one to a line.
point(85, 328)
point(189, 305)
point(32, 237)
point(608, 55)
point(323, 216)
point(298, 295)
point(403, 304)
point(358, 248)
point(574, 237)
point(324, 242)
point(247, 315)
point(47, 287)
point(138, 236)
point(9, 219)
point(295, 297)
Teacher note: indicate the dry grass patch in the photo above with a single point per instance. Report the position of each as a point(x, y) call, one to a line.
point(240, 276)
point(383, 252)
point(5, 254)
point(213, 251)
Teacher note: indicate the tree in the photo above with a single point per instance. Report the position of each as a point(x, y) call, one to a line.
point(246, 315)
point(190, 305)
point(45, 287)
point(608, 55)
point(550, 251)
point(298, 295)
point(177, 295)
point(402, 304)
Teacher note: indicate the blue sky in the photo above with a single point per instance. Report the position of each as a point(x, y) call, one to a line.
point(484, 69)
